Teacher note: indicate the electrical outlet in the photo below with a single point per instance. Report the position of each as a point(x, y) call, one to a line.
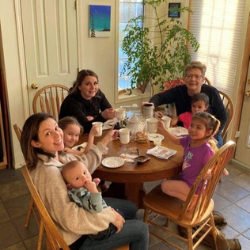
point(237, 134)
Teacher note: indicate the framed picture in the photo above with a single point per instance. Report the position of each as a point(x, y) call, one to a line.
point(173, 13)
point(99, 20)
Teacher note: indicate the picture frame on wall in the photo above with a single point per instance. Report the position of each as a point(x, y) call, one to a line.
point(172, 12)
point(99, 20)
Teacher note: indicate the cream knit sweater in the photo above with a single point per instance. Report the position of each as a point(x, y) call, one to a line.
point(71, 220)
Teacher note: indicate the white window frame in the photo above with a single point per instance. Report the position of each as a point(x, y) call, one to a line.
point(119, 96)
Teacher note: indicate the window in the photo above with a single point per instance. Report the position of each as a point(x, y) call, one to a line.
point(128, 10)
point(217, 25)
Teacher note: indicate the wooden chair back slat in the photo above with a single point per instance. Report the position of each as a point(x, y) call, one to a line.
point(53, 235)
point(229, 107)
point(49, 99)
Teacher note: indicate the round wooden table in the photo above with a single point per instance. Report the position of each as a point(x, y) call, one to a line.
point(134, 175)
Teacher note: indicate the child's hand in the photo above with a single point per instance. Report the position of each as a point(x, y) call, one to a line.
point(91, 186)
point(174, 121)
point(208, 175)
point(94, 130)
point(110, 136)
point(161, 125)
point(96, 181)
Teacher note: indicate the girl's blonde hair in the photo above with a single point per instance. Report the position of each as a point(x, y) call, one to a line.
point(68, 120)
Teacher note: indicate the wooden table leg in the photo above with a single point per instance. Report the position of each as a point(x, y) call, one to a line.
point(135, 192)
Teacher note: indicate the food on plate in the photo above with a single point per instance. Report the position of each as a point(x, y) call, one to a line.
point(141, 137)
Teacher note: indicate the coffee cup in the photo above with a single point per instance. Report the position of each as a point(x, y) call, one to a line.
point(99, 124)
point(152, 124)
point(124, 134)
point(120, 113)
point(148, 110)
point(167, 121)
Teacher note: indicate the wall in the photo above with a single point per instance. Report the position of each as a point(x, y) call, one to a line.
point(11, 66)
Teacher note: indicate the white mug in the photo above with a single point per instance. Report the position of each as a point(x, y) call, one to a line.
point(152, 124)
point(120, 113)
point(167, 121)
point(99, 124)
point(124, 134)
point(148, 110)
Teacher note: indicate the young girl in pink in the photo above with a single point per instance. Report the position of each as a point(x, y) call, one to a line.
point(71, 132)
point(197, 152)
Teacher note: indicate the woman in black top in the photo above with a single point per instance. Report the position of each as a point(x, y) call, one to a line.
point(86, 102)
point(181, 95)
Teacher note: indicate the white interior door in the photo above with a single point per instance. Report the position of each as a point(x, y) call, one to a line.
point(50, 42)
point(242, 154)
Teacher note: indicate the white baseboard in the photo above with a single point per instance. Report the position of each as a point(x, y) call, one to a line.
point(240, 164)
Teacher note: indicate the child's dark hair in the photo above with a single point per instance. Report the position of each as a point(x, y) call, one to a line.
point(209, 120)
point(200, 97)
point(64, 122)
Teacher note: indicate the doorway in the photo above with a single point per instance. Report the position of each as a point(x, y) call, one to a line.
point(50, 43)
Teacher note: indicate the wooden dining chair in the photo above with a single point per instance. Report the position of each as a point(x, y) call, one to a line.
point(194, 219)
point(49, 99)
point(228, 104)
point(32, 206)
point(229, 107)
point(54, 240)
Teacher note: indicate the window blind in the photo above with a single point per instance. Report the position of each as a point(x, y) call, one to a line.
point(217, 25)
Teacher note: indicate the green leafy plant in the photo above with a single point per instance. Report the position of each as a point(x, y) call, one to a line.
point(156, 47)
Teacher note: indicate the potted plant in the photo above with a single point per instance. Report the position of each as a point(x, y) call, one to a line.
point(156, 47)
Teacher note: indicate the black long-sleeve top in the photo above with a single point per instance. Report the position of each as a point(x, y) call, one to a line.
point(75, 105)
point(182, 100)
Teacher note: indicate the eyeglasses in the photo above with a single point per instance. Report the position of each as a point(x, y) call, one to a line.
point(196, 77)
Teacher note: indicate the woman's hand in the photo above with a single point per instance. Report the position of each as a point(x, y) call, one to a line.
point(119, 221)
point(90, 118)
point(110, 136)
point(108, 113)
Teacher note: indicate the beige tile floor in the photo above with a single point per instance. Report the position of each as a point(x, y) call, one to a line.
point(232, 199)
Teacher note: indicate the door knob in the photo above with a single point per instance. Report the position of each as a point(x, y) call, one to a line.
point(247, 93)
point(34, 86)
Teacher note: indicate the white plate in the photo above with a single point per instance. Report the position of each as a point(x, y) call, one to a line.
point(83, 145)
point(109, 124)
point(178, 131)
point(112, 162)
point(161, 152)
point(106, 126)
point(152, 136)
